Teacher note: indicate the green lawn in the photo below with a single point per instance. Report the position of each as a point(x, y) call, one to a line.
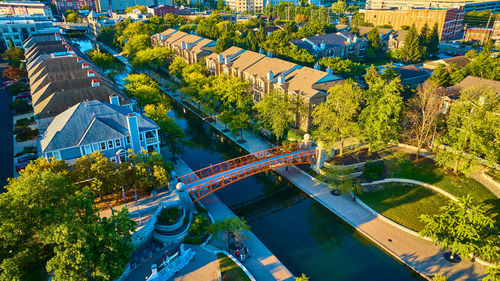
point(399, 166)
point(230, 269)
point(404, 203)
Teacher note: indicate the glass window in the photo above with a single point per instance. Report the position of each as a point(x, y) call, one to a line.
point(95, 146)
point(103, 146)
point(87, 149)
point(140, 137)
point(57, 155)
point(128, 139)
point(117, 143)
point(110, 144)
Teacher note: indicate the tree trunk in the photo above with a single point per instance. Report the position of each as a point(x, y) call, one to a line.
point(418, 152)
point(341, 147)
point(455, 167)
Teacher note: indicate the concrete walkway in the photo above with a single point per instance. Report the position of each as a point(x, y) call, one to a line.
point(416, 252)
point(204, 267)
point(262, 264)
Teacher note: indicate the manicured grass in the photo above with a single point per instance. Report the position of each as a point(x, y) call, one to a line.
point(230, 269)
point(404, 203)
point(400, 166)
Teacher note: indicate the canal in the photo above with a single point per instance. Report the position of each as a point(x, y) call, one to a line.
point(304, 235)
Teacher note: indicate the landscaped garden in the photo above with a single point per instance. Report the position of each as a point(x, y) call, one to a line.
point(230, 270)
point(198, 231)
point(169, 216)
point(403, 203)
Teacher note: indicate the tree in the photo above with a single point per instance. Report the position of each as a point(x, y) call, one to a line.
point(337, 117)
point(374, 38)
point(176, 67)
point(339, 8)
point(103, 60)
point(411, 50)
point(299, 18)
point(220, 5)
point(346, 68)
point(380, 117)
point(464, 228)
point(274, 113)
point(422, 113)
point(441, 75)
point(149, 170)
point(423, 40)
point(14, 55)
point(72, 17)
point(136, 43)
point(433, 41)
point(142, 9)
point(303, 277)
point(98, 173)
point(472, 128)
point(143, 88)
point(48, 222)
point(14, 73)
point(171, 133)
point(229, 226)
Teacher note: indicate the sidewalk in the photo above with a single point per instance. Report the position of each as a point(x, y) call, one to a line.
point(263, 264)
point(418, 253)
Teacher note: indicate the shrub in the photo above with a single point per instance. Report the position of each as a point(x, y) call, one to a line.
point(373, 170)
point(199, 225)
point(17, 88)
point(23, 122)
point(169, 216)
point(24, 133)
point(20, 107)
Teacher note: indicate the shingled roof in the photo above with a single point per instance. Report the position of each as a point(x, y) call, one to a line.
point(90, 122)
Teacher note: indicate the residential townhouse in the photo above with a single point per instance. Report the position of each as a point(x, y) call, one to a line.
point(78, 109)
point(98, 126)
point(188, 46)
point(411, 75)
point(341, 44)
point(265, 74)
point(458, 61)
point(396, 39)
point(384, 34)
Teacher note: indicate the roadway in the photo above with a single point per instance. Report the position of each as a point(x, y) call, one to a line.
point(6, 140)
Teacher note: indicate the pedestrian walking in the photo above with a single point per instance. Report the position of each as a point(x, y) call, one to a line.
point(286, 169)
point(237, 253)
point(245, 250)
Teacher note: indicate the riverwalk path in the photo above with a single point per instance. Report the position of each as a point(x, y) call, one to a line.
point(418, 253)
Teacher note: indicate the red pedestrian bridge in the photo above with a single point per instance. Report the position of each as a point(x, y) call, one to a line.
point(210, 179)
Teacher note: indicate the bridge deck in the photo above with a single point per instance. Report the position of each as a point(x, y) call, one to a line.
point(200, 182)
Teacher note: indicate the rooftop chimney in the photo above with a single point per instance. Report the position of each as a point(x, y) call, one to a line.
point(95, 83)
point(85, 65)
point(270, 75)
point(329, 70)
point(270, 54)
point(133, 129)
point(90, 73)
point(57, 36)
point(281, 80)
point(317, 66)
point(79, 59)
point(114, 100)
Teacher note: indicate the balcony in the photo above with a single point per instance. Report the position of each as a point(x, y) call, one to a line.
point(151, 140)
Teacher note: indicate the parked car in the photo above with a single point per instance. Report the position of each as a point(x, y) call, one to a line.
point(27, 157)
point(7, 83)
point(22, 165)
point(23, 96)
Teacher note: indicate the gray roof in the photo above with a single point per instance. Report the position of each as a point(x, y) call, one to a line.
point(410, 71)
point(90, 122)
point(38, 38)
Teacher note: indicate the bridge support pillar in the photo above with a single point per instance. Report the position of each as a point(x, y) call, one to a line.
point(320, 157)
point(307, 141)
point(184, 197)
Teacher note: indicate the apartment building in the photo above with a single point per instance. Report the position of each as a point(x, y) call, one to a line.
point(98, 126)
point(265, 73)
point(25, 8)
point(121, 5)
point(450, 21)
point(192, 48)
point(468, 5)
point(245, 5)
point(19, 27)
point(63, 5)
point(495, 35)
point(340, 44)
point(478, 35)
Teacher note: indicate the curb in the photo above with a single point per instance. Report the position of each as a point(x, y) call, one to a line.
point(237, 262)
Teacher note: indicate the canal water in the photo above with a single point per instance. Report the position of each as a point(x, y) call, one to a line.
point(304, 235)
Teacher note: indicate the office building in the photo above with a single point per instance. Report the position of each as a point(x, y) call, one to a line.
point(468, 5)
point(19, 27)
point(25, 8)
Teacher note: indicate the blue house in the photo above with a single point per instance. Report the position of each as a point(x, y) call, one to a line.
point(95, 125)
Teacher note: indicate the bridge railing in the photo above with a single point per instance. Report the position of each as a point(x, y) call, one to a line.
point(240, 161)
point(206, 187)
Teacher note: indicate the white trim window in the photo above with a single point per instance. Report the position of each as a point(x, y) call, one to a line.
point(87, 149)
point(57, 155)
point(103, 146)
point(110, 144)
point(118, 143)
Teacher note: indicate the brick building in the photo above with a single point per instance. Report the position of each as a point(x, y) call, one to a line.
point(450, 21)
point(63, 5)
point(162, 10)
point(478, 35)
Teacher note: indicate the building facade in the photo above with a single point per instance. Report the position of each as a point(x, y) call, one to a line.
point(468, 5)
point(192, 48)
point(478, 35)
point(18, 28)
point(121, 5)
point(495, 34)
point(63, 5)
point(25, 8)
point(307, 86)
point(449, 21)
point(163, 10)
point(340, 44)
point(246, 5)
